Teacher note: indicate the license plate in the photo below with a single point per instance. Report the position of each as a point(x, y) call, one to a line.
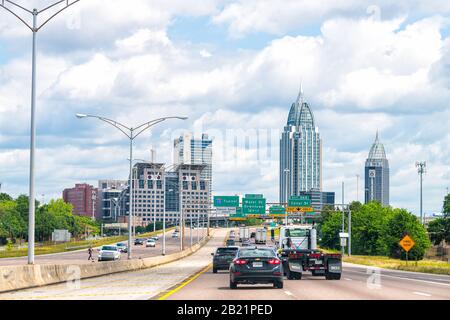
point(334, 268)
point(318, 262)
point(295, 267)
point(257, 264)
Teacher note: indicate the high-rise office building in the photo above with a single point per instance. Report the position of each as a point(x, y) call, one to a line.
point(110, 193)
point(189, 150)
point(377, 174)
point(300, 152)
point(83, 198)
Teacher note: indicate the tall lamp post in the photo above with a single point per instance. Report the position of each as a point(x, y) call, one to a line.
point(421, 166)
point(131, 133)
point(286, 174)
point(34, 28)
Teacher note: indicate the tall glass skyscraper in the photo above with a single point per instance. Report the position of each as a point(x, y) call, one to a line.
point(189, 150)
point(377, 174)
point(300, 152)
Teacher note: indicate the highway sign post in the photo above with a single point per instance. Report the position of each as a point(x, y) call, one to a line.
point(254, 207)
point(226, 201)
point(407, 243)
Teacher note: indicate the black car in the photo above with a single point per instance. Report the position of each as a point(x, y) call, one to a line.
point(139, 241)
point(254, 265)
point(252, 235)
point(231, 242)
point(223, 257)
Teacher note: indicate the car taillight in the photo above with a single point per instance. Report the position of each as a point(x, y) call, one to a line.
point(239, 261)
point(274, 261)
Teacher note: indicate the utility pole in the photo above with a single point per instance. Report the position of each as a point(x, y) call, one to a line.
point(286, 174)
point(357, 187)
point(343, 215)
point(421, 169)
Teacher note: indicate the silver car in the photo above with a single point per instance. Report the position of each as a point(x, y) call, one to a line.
point(109, 253)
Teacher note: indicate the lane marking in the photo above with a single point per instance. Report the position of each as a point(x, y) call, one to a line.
point(288, 293)
point(185, 283)
point(422, 294)
point(403, 278)
point(348, 279)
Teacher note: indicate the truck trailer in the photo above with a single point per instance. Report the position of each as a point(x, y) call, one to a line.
point(261, 236)
point(298, 251)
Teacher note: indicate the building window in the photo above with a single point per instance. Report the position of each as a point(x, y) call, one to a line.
point(150, 184)
point(158, 184)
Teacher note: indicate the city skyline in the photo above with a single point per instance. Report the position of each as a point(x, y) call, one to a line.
point(201, 61)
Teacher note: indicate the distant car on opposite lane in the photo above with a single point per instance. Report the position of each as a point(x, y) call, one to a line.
point(109, 253)
point(150, 243)
point(122, 247)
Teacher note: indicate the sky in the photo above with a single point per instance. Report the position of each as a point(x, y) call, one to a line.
point(234, 68)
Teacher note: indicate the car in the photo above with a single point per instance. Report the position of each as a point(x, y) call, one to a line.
point(139, 241)
point(122, 247)
point(223, 257)
point(175, 235)
point(230, 242)
point(252, 235)
point(150, 243)
point(253, 265)
point(156, 238)
point(108, 253)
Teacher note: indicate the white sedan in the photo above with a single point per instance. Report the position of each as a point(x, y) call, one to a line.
point(150, 243)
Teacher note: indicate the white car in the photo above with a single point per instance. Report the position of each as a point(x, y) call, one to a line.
point(155, 237)
point(109, 252)
point(150, 243)
point(175, 235)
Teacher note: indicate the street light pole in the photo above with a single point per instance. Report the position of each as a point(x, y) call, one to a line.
point(286, 173)
point(34, 29)
point(131, 133)
point(421, 166)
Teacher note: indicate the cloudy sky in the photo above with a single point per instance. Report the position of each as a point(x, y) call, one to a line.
point(234, 68)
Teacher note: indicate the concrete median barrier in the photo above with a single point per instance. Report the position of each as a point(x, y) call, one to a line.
point(28, 276)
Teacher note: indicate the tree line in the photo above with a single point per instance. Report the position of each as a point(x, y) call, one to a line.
point(57, 214)
point(377, 230)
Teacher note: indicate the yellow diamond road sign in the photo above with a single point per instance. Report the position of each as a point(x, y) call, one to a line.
point(407, 243)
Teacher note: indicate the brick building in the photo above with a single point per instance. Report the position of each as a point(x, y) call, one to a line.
point(83, 197)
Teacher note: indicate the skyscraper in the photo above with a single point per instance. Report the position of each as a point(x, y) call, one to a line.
point(188, 150)
point(377, 174)
point(300, 152)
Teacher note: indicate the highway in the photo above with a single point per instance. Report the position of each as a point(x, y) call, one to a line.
point(192, 278)
point(81, 256)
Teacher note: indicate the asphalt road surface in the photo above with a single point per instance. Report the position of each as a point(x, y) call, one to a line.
point(192, 278)
point(81, 256)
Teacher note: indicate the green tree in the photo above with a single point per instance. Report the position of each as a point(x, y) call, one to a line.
point(368, 223)
point(446, 206)
point(5, 197)
point(401, 223)
point(439, 230)
point(329, 231)
point(11, 224)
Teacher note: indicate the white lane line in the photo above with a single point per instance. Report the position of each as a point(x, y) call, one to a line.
point(403, 278)
point(348, 279)
point(422, 294)
point(288, 293)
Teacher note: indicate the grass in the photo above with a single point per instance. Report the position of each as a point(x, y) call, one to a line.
point(425, 266)
point(71, 246)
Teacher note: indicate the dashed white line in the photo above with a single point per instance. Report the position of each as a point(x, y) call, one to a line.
point(288, 293)
point(422, 294)
point(348, 279)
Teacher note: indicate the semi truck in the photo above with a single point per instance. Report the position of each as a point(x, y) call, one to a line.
point(261, 236)
point(298, 251)
point(244, 233)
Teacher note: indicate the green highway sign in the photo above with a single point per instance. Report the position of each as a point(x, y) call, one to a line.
point(238, 215)
point(299, 201)
point(254, 206)
point(277, 210)
point(226, 201)
point(254, 196)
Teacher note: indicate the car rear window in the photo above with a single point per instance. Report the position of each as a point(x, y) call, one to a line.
point(226, 250)
point(264, 253)
point(110, 248)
